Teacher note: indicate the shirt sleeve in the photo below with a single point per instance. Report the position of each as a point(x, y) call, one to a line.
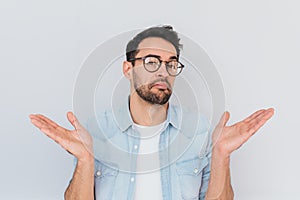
point(206, 170)
point(205, 179)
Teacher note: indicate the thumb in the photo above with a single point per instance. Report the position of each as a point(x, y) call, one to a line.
point(224, 119)
point(73, 120)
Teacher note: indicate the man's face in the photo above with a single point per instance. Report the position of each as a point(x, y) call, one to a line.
point(156, 87)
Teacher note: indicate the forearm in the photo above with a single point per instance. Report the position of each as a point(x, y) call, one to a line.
point(82, 184)
point(219, 187)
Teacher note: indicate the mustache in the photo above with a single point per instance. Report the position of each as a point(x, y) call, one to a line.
point(160, 80)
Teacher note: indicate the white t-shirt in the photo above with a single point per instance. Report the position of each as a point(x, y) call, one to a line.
point(148, 184)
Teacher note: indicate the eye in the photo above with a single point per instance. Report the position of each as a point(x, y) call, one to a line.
point(151, 61)
point(173, 65)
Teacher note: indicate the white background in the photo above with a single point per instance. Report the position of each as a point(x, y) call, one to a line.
point(254, 44)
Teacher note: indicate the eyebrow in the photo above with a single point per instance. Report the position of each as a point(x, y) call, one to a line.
point(157, 56)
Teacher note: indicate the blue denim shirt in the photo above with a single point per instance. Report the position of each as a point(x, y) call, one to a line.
point(184, 154)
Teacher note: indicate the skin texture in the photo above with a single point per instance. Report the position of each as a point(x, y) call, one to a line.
point(227, 139)
point(143, 112)
point(78, 142)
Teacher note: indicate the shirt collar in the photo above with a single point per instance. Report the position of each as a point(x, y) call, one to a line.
point(124, 119)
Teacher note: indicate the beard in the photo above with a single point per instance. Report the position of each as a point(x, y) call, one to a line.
point(160, 97)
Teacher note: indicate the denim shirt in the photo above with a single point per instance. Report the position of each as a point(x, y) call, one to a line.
point(184, 154)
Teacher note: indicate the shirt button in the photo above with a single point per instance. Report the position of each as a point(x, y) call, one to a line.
point(132, 179)
point(196, 170)
point(135, 146)
point(98, 173)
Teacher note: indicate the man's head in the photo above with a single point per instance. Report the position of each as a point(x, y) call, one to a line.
point(165, 32)
point(152, 63)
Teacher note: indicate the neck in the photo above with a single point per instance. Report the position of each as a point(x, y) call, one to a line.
point(145, 113)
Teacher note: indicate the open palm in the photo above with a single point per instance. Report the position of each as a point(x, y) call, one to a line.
point(230, 138)
point(77, 142)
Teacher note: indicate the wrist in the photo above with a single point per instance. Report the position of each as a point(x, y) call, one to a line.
point(220, 156)
point(86, 159)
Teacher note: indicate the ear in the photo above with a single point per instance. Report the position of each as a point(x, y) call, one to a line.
point(127, 68)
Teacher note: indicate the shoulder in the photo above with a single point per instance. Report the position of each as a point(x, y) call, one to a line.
point(190, 121)
point(102, 125)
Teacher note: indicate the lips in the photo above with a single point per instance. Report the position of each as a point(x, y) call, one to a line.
point(160, 85)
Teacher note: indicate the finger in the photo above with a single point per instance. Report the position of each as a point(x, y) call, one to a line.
point(224, 119)
point(47, 126)
point(52, 130)
point(38, 123)
point(261, 121)
point(47, 120)
point(261, 116)
point(34, 116)
point(54, 135)
point(254, 115)
point(73, 120)
point(44, 128)
point(60, 138)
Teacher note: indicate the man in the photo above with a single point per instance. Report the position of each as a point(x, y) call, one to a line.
point(198, 173)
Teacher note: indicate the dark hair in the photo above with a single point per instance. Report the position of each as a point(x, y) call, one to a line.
point(165, 32)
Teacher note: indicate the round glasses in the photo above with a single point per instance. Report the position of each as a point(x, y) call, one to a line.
point(152, 64)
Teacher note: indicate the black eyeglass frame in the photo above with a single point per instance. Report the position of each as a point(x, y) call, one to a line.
point(160, 61)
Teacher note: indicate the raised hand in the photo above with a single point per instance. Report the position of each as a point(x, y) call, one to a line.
point(226, 139)
point(229, 138)
point(77, 142)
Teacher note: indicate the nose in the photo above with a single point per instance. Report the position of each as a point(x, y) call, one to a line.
point(162, 71)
